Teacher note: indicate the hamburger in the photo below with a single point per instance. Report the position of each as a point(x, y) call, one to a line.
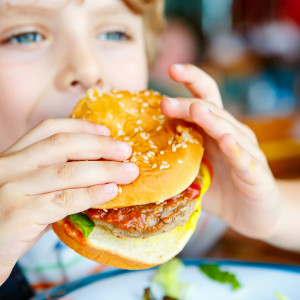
point(151, 219)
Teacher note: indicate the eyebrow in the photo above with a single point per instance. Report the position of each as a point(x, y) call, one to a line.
point(24, 9)
point(34, 9)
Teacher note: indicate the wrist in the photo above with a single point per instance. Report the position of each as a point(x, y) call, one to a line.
point(287, 227)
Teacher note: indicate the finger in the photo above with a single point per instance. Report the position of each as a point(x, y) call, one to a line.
point(247, 169)
point(55, 206)
point(182, 108)
point(216, 126)
point(50, 127)
point(77, 175)
point(63, 147)
point(200, 84)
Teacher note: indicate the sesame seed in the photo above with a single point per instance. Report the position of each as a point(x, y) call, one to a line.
point(105, 210)
point(146, 161)
point(140, 100)
point(147, 93)
point(180, 161)
point(133, 98)
point(142, 111)
point(121, 132)
point(91, 95)
point(145, 157)
point(121, 104)
point(161, 117)
point(130, 143)
point(154, 117)
point(136, 130)
point(119, 125)
point(139, 122)
point(133, 159)
point(126, 161)
point(159, 128)
point(145, 104)
point(118, 96)
point(153, 146)
point(149, 154)
point(144, 135)
point(169, 142)
point(162, 152)
point(150, 142)
point(126, 138)
point(120, 190)
point(154, 166)
point(184, 145)
point(164, 163)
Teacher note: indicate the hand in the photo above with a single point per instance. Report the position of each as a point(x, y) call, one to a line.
point(243, 192)
point(51, 172)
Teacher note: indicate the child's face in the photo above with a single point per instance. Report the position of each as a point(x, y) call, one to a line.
point(52, 51)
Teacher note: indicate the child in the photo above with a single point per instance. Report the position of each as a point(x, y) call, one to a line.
point(51, 52)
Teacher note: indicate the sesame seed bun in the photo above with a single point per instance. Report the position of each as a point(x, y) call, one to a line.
point(168, 152)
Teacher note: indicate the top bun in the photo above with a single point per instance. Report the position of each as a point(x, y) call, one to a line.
point(167, 151)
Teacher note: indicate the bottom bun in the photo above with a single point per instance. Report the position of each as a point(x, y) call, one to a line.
point(132, 253)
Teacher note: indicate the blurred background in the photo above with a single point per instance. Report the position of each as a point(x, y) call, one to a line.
point(252, 49)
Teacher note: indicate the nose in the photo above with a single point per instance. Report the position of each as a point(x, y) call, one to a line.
point(80, 69)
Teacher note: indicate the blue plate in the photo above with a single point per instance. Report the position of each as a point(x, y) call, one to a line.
point(259, 281)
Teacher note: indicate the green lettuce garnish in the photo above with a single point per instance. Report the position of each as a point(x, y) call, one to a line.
point(281, 297)
point(214, 272)
point(86, 224)
point(167, 277)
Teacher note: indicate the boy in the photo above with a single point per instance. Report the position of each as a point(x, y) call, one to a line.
point(51, 52)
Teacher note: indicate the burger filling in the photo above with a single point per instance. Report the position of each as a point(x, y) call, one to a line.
point(141, 221)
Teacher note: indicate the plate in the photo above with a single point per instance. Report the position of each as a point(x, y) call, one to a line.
point(259, 281)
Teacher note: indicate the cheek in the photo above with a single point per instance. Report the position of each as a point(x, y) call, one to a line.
point(128, 71)
point(17, 95)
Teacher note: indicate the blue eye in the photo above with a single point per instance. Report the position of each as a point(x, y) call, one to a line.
point(113, 36)
point(26, 38)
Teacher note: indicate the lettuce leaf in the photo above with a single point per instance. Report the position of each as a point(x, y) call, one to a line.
point(214, 272)
point(167, 277)
point(86, 224)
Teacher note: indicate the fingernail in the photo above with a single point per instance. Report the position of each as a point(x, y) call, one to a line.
point(128, 167)
point(124, 146)
point(179, 67)
point(102, 129)
point(173, 101)
point(109, 188)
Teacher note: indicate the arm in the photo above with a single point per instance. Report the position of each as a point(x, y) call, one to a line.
point(287, 230)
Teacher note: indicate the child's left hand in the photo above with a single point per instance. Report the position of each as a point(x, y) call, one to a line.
point(243, 192)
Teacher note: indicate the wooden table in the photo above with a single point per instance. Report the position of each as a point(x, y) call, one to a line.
point(235, 246)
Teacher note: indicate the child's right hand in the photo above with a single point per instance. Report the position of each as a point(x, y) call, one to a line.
point(54, 171)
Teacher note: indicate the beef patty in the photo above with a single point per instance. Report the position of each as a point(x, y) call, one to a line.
point(141, 221)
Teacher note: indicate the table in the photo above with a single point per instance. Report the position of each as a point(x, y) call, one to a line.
point(235, 246)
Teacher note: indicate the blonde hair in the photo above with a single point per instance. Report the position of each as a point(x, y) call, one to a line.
point(154, 22)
